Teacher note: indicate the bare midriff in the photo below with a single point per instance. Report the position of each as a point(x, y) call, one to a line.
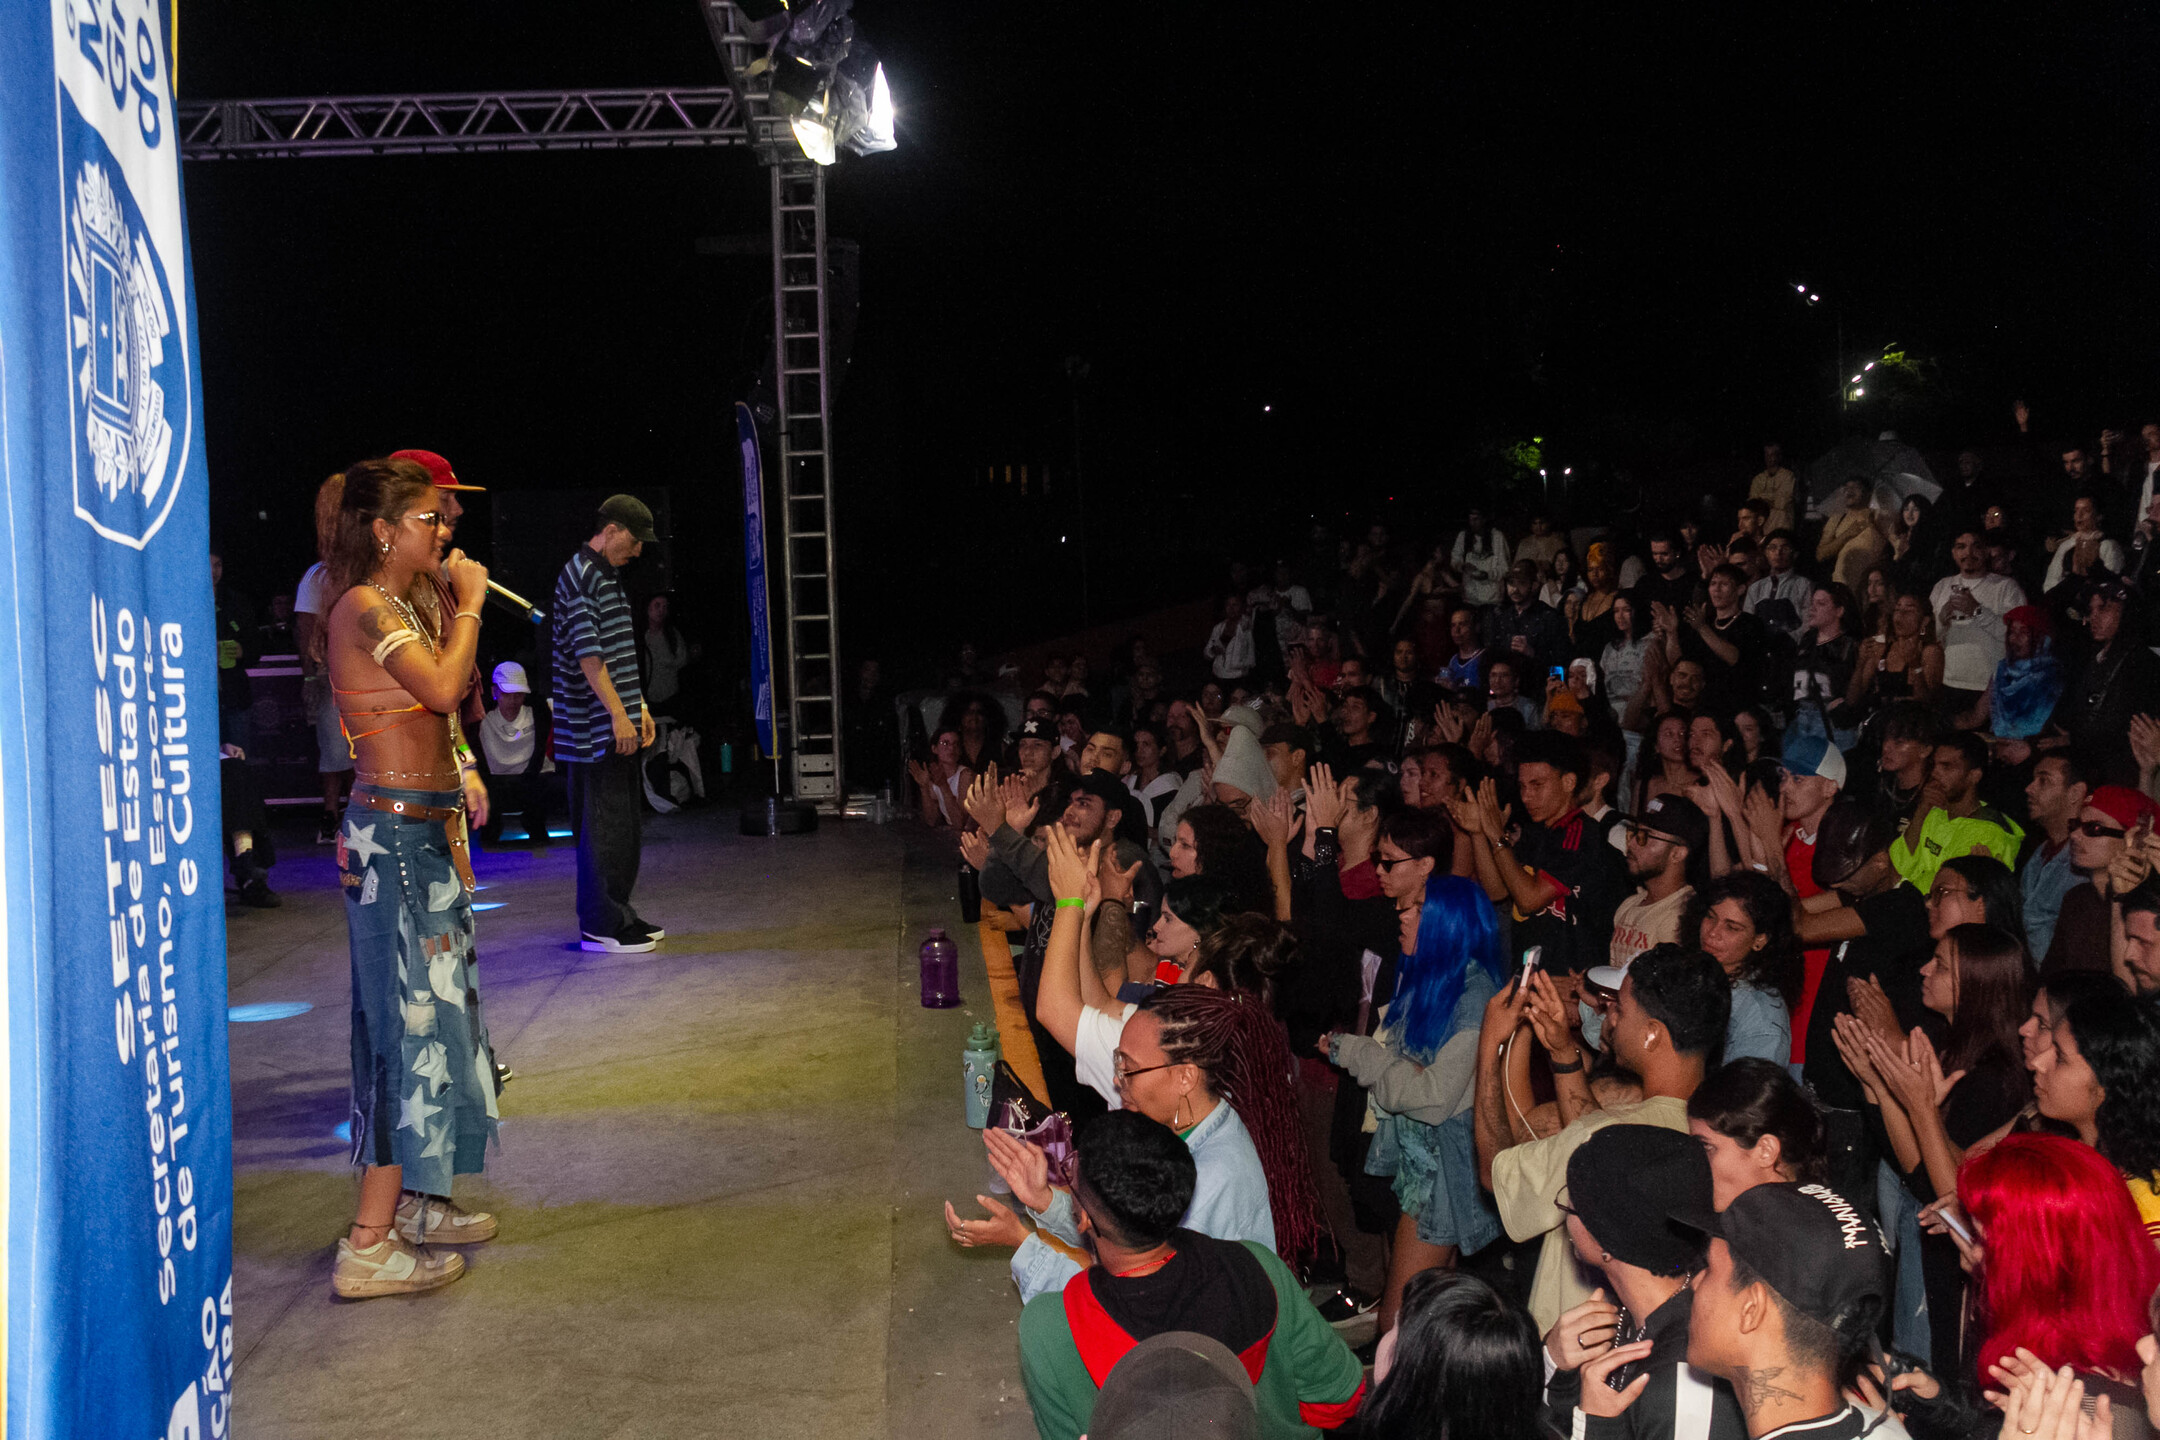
point(396, 741)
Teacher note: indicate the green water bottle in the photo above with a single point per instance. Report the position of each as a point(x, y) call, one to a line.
point(978, 1066)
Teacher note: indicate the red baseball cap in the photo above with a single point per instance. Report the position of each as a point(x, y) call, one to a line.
point(438, 470)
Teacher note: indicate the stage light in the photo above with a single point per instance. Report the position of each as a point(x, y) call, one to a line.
point(877, 131)
point(815, 137)
point(267, 1010)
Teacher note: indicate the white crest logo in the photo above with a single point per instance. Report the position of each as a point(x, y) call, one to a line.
point(118, 320)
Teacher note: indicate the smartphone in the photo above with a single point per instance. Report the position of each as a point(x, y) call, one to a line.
point(1558, 672)
point(1529, 963)
point(1956, 1222)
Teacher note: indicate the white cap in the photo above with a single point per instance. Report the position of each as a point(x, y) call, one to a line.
point(511, 676)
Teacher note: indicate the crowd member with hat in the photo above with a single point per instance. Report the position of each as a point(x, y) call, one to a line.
point(1133, 1181)
point(1621, 1369)
point(2097, 839)
point(435, 600)
point(1796, 1279)
point(2120, 679)
point(601, 723)
point(514, 755)
point(1097, 807)
point(1666, 850)
point(1815, 773)
point(1175, 1385)
point(1666, 1026)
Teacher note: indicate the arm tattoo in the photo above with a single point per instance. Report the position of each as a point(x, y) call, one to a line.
point(1758, 1388)
point(377, 621)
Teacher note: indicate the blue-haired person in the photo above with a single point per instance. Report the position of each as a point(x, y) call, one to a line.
point(1418, 1072)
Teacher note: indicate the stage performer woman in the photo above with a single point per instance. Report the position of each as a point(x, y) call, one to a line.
point(424, 1086)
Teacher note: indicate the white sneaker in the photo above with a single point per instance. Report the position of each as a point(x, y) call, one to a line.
point(427, 1220)
point(391, 1266)
point(630, 940)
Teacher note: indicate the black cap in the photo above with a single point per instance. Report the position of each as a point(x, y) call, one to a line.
point(2108, 587)
point(632, 514)
point(1179, 1385)
point(1851, 834)
point(1037, 729)
point(1817, 1249)
point(1626, 1182)
point(1677, 818)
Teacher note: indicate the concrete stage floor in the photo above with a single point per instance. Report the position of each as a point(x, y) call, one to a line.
point(720, 1175)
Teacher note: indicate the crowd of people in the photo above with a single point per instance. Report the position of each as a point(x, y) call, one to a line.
point(1702, 981)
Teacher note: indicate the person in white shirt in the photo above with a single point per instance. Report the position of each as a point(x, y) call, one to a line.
point(2084, 547)
point(514, 752)
point(1230, 647)
point(1780, 598)
point(1481, 558)
point(1969, 608)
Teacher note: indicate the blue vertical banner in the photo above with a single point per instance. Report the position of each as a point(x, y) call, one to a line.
point(118, 1146)
point(753, 501)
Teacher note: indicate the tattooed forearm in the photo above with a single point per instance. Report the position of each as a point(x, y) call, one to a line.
point(1758, 1388)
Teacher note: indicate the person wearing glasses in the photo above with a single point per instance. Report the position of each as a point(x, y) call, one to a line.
point(424, 1081)
point(2097, 838)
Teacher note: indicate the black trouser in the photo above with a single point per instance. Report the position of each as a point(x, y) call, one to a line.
point(520, 792)
point(608, 812)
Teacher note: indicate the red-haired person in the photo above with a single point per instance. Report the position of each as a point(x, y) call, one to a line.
point(2062, 1270)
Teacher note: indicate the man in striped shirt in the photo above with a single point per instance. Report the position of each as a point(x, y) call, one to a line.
point(596, 737)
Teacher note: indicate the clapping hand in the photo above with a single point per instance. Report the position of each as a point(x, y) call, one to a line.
point(1871, 1006)
point(2145, 743)
point(1068, 868)
point(1022, 1164)
point(1113, 881)
point(1271, 819)
point(1481, 739)
point(1019, 806)
point(1723, 792)
point(1492, 815)
point(1001, 1228)
point(1447, 724)
point(2043, 1404)
point(1852, 1038)
point(1324, 800)
point(2133, 863)
point(975, 848)
point(983, 801)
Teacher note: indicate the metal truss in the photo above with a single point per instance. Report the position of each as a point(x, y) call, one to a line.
point(479, 122)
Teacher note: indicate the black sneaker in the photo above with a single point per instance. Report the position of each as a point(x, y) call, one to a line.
point(326, 831)
point(256, 892)
point(1344, 1306)
point(503, 1075)
point(630, 940)
point(652, 932)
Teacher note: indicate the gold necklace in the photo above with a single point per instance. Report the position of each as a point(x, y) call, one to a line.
point(404, 610)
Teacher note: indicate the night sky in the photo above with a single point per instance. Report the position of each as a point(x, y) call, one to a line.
point(1318, 260)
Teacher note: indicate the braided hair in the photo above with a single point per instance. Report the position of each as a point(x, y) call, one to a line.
point(1243, 1053)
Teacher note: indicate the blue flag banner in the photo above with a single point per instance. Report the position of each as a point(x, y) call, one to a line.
point(753, 501)
point(118, 1146)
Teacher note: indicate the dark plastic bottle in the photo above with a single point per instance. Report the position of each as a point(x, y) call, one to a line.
point(970, 894)
point(940, 971)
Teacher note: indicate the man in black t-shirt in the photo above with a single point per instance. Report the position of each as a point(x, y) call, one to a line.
point(1560, 875)
point(1876, 927)
point(1730, 643)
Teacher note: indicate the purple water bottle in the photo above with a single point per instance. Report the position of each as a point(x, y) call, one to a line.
point(940, 971)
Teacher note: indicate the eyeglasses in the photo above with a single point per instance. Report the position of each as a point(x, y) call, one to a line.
point(1384, 865)
point(2097, 830)
point(1936, 897)
point(432, 518)
point(1120, 1073)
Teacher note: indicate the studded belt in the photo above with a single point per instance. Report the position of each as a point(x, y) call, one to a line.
point(451, 816)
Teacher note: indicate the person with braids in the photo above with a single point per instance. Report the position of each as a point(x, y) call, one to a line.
point(2101, 1077)
point(1214, 1067)
point(1417, 1073)
point(424, 1082)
